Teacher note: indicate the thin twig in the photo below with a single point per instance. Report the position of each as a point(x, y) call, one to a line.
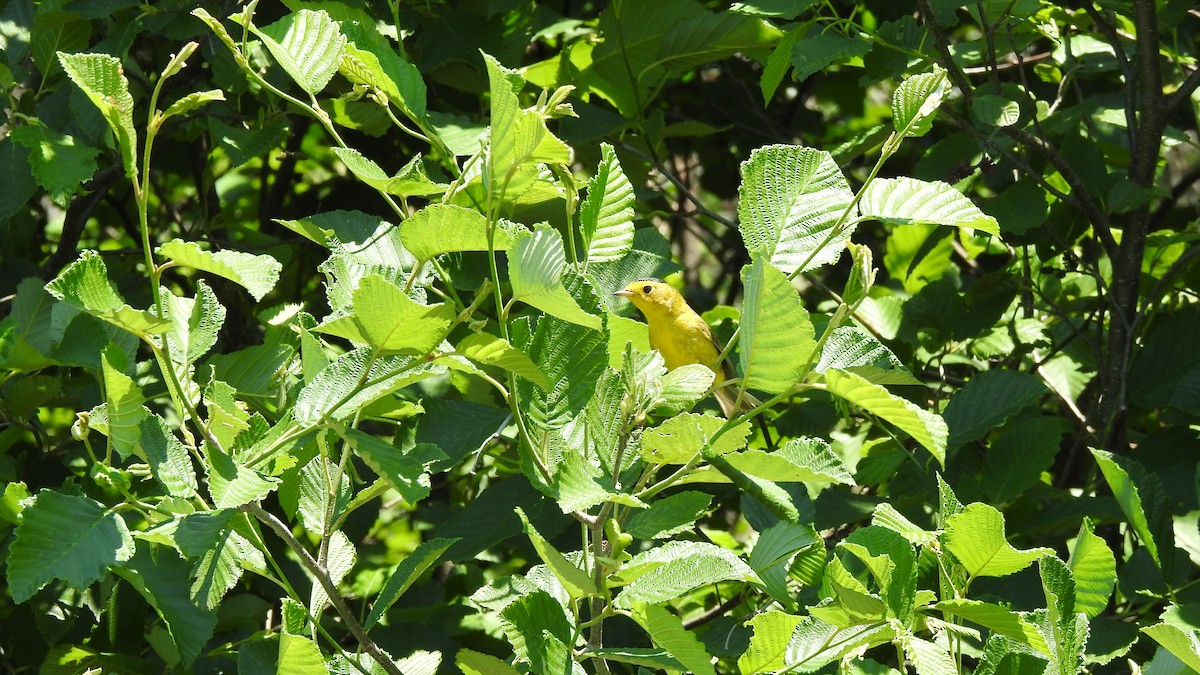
point(322, 577)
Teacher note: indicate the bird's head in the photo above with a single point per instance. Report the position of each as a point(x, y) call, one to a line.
point(653, 296)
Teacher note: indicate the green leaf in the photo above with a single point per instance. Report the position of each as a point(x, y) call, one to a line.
point(668, 516)
point(443, 228)
point(1066, 630)
point(490, 350)
point(777, 336)
point(908, 201)
point(84, 284)
point(195, 323)
point(125, 405)
point(707, 37)
point(17, 183)
point(59, 162)
point(918, 255)
point(670, 571)
point(887, 516)
point(33, 333)
point(995, 111)
point(789, 201)
point(997, 619)
point(536, 262)
point(370, 58)
point(169, 460)
point(853, 349)
point(1016, 459)
point(163, 579)
point(519, 137)
point(1095, 569)
point(13, 502)
point(339, 560)
point(66, 537)
point(683, 387)
point(916, 101)
point(648, 657)
point(299, 655)
point(388, 320)
point(778, 64)
point(191, 102)
point(227, 416)
point(1184, 645)
point(256, 273)
point(768, 649)
point(254, 372)
point(813, 53)
point(925, 427)
point(862, 275)
point(1143, 500)
point(572, 358)
point(816, 643)
point(667, 631)
point(54, 31)
point(577, 582)
point(784, 9)
point(404, 471)
point(307, 44)
point(927, 657)
point(774, 553)
point(975, 536)
point(101, 77)
point(221, 555)
point(624, 67)
point(476, 663)
point(776, 499)
point(530, 623)
point(800, 460)
point(988, 400)
point(606, 214)
point(243, 144)
point(410, 181)
point(231, 484)
point(223, 35)
point(334, 394)
point(678, 439)
point(405, 574)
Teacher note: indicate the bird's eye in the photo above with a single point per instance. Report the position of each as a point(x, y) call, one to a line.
point(646, 289)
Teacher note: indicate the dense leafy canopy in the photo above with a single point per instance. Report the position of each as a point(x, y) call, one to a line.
point(310, 360)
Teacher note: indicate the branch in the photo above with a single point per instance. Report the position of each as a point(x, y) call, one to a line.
point(1126, 70)
point(1183, 93)
point(75, 221)
point(700, 207)
point(1177, 192)
point(1079, 197)
point(322, 577)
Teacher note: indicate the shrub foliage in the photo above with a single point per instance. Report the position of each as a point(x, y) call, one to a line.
point(312, 362)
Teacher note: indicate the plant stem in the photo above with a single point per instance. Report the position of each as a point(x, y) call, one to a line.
point(322, 577)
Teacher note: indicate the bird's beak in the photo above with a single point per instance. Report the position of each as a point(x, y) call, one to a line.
point(624, 293)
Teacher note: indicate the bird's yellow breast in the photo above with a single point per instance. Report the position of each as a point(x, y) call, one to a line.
point(676, 330)
point(684, 340)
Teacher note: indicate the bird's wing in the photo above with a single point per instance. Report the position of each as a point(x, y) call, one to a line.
point(726, 366)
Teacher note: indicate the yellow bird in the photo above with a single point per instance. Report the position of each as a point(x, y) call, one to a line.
point(682, 336)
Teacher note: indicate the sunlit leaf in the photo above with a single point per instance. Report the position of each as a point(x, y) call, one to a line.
point(789, 201)
point(256, 273)
point(976, 538)
point(307, 44)
point(908, 201)
point(102, 78)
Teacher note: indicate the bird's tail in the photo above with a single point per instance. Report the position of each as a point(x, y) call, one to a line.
point(727, 398)
point(731, 407)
